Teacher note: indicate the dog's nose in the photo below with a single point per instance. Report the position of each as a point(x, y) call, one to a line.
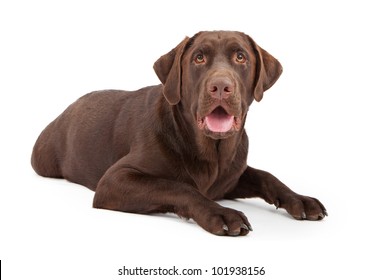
point(220, 87)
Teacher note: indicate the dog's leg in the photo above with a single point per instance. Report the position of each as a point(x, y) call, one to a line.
point(126, 189)
point(258, 183)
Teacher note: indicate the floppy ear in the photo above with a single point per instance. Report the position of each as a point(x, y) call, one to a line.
point(268, 71)
point(168, 69)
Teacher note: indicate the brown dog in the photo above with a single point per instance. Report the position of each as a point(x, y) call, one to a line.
point(178, 146)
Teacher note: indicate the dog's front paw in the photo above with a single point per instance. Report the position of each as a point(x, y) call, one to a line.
point(302, 207)
point(223, 221)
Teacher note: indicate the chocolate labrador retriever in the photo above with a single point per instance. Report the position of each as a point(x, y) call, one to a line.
point(175, 147)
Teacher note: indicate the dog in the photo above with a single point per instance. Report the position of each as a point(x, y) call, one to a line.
point(178, 146)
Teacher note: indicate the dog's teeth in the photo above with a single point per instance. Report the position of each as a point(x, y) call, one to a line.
point(225, 228)
point(304, 216)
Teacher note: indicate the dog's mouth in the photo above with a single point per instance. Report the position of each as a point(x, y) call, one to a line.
point(219, 122)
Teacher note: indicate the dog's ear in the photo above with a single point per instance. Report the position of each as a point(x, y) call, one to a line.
point(268, 70)
point(168, 69)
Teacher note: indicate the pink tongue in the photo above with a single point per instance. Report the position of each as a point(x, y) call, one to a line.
point(219, 121)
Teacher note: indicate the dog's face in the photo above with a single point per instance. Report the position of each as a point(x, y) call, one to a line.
point(218, 68)
point(216, 76)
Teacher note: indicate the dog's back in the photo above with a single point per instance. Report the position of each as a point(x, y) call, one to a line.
point(85, 140)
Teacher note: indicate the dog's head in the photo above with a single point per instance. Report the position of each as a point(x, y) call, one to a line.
point(216, 76)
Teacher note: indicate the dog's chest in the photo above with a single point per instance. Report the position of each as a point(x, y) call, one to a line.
point(212, 178)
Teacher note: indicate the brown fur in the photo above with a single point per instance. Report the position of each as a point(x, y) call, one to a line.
point(150, 150)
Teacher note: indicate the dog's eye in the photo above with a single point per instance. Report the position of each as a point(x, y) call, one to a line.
point(240, 57)
point(199, 59)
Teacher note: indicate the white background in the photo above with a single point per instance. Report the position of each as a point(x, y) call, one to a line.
point(317, 129)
